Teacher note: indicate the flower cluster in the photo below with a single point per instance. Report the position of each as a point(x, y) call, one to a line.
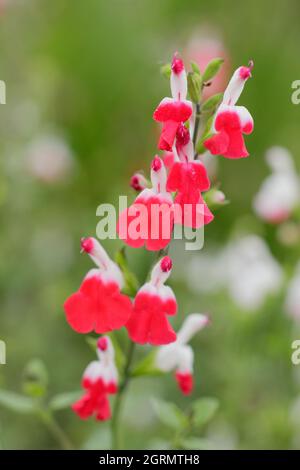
point(175, 196)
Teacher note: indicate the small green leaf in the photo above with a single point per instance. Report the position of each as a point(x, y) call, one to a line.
point(195, 68)
point(35, 378)
point(165, 70)
point(195, 443)
point(206, 134)
point(211, 103)
point(131, 283)
point(169, 414)
point(146, 366)
point(203, 411)
point(15, 402)
point(194, 86)
point(63, 400)
point(212, 69)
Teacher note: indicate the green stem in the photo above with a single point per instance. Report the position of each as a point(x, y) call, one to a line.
point(115, 422)
point(55, 429)
point(197, 123)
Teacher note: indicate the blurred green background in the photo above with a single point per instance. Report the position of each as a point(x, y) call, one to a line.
point(88, 74)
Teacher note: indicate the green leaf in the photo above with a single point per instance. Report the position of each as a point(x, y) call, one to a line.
point(146, 366)
point(194, 86)
point(195, 443)
point(18, 403)
point(131, 282)
point(165, 70)
point(211, 103)
point(64, 400)
point(203, 410)
point(169, 414)
point(195, 68)
point(206, 134)
point(35, 378)
point(212, 69)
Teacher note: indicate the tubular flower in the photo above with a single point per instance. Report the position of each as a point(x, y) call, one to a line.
point(279, 194)
point(173, 111)
point(98, 304)
point(100, 379)
point(179, 356)
point(188, 177)
point(231, 121)
point(153, 302)
point(149, 220)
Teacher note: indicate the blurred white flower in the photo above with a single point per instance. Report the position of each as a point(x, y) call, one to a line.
point(279, 193)
point(49, 159)
point(292, 301)
point(245, 267)
point(252, 272)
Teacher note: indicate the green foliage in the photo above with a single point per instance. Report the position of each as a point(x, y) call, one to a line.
point(194, 86)
point(211, 103)
point(170, 415)
point(146, 366)
point(203, 411)
point(64, 400)
point(131, 282)
point(212, 69)
point(165, 70)
point(16, 402)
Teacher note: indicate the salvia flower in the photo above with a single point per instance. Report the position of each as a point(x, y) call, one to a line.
point(179, 356)
point(153, 302)
point(173, 111)
point(149, 220)
point(231, 121)
point(100, 379)
point(138, 182)
point(189, 178)
point(279, 193)
point(98, 304)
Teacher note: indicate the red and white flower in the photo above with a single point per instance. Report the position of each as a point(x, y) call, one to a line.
point(189, 178)
point(98, 304)
point(179, 356)
point(279, 194)
point(100, 379)
point(231, 121)
point(173, 111)
point(153, 302)
point(149, 220)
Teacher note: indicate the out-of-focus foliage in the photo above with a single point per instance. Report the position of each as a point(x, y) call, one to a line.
point(87, 74)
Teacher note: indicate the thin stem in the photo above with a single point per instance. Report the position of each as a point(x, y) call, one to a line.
point(115, 425)
point(55, 429)
point(197, 122)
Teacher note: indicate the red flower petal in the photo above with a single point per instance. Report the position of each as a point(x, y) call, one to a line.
point(148, 323)
point(185, 382)
point(97, 306)
point(173, 110)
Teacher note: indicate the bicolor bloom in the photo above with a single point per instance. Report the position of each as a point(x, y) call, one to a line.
point(173, 111)
point(189, 178)
point(98, 304)
point(100, 379)
point(279, 194)
point(149, 220)
point(231, 121)
point(153, 302)
point(179, 356)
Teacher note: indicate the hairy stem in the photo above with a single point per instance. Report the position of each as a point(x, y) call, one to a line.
point(197, 122)
point(55, 429)
point(115, 422)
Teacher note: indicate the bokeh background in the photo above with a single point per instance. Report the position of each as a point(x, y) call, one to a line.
point(82, 80)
